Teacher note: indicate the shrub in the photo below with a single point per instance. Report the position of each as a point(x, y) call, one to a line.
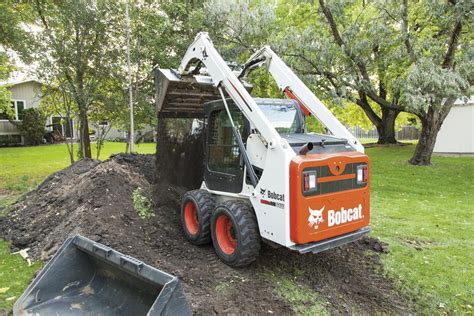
point(32, 126)
point(141, 204)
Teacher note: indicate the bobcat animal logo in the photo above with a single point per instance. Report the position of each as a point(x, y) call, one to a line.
point(262, 191)
point(315, 217)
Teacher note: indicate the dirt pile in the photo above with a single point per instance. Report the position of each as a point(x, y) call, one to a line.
point(94, 199)
point(86, 198)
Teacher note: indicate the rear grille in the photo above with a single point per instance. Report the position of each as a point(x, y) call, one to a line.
point(337, 185)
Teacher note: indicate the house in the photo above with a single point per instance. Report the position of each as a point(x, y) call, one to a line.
point(456, 135)
point(27, 94)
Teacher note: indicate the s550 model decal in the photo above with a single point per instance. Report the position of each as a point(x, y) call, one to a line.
point(334, 217)
point(272, 198)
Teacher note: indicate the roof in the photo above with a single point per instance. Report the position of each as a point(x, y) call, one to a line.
point(17, 82)
point(464, 101)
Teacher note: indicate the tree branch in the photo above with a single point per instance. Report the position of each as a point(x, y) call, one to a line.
point(340, 42)
point(448, 61)
point(406, 35)
point(364, 104)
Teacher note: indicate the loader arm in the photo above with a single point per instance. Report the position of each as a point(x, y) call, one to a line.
point(202, 51)
point(295, 89)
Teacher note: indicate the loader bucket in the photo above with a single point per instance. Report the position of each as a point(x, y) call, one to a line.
point(183, 96)
point(87, 278)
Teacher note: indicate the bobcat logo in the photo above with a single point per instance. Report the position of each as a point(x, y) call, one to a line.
point(262, 191)
point(315, 217)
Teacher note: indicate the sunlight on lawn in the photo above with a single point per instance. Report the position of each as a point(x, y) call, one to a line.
point(22, 168)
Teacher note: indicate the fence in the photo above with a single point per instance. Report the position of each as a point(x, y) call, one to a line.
point(406, 133)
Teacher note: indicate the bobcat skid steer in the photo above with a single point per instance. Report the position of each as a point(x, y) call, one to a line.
point(265, 178)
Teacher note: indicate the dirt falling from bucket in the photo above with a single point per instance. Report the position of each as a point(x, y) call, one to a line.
point(180, 152)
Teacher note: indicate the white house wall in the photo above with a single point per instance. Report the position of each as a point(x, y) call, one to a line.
point(457, 132)
point(30, 93)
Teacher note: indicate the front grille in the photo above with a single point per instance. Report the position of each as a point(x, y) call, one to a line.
point(337, 185)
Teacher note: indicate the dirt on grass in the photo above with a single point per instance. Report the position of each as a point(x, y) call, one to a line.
point(94, 199)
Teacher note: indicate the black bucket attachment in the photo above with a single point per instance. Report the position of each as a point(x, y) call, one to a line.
point(87, 278)
point(183, 96)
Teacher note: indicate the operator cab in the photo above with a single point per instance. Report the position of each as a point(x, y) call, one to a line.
point(224, 166)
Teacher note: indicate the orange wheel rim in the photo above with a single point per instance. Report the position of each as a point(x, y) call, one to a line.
point(190, 218)
point(225, 234)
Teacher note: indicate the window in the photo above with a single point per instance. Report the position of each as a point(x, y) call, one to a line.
point(63, 126)
point(283, 117)
point(224, 153)
point(18, 108)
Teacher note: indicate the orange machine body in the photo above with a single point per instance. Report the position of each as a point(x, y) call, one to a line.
point(339, 205)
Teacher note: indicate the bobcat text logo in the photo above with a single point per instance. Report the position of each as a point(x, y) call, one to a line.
point(344, 216)
point(315, 217)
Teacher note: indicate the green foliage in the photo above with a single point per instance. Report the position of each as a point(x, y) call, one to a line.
point(79, 51)
point(5, 101)
point(12, 34)
point(142, 204)
point(31, 127)
point(12, 37)
point(239, 27)
point(263, 84)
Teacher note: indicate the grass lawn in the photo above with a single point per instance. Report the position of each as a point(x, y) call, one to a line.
point(22, 168)
point(14, 276)
point(426, 214)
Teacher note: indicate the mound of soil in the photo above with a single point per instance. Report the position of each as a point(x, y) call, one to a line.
point(94, 199)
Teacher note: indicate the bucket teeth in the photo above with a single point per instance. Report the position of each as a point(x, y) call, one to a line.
point(183, 96)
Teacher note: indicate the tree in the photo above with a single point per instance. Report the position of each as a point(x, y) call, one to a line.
point(160, 34)
point(12, 37)
point(81, 42)
point(397, 55)
point(57, 100)
point(440, 65)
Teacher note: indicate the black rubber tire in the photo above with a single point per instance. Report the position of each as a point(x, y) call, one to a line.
point(246, 233)
point(204, 204)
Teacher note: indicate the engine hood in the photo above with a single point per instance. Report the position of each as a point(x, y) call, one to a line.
point(322, 143)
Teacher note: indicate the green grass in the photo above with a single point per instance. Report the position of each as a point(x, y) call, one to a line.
point(15, 274)
point(426, 214)
point(303, 300)
point(22, 168)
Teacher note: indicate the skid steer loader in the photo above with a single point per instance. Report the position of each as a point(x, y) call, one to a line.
point(265, 178)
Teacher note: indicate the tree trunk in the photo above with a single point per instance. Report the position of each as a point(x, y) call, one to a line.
point(84, 131)
point(127, 145)
point(386, 127)
point(431, 124)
